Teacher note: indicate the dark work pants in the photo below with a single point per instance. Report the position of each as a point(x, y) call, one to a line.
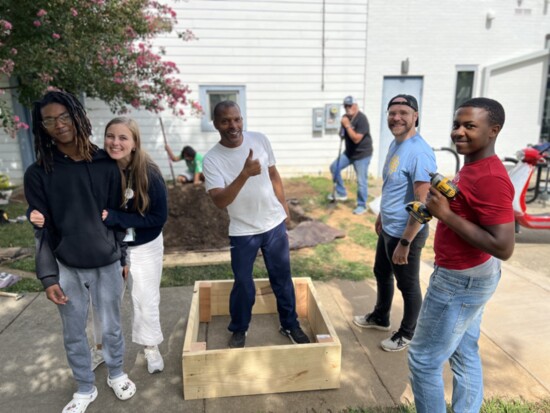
point(275, 250)
point(407, 277)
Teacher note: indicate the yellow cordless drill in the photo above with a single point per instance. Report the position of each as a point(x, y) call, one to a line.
point(444, 185)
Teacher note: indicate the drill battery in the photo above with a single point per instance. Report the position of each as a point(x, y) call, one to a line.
point(418, 211)
point(444, 185)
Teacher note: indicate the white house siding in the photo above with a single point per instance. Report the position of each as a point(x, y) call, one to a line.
point(437, 36)
point(514, 88)
point(274, 49)
point(10, 155)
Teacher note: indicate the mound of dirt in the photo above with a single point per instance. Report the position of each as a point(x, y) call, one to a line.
point(194, 222)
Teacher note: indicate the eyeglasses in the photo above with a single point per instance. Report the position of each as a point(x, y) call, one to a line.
point(347, 106)
point(64, 118)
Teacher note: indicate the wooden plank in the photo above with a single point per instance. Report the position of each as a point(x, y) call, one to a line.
point(219, 298)
point(265, 298)
point(319, 321)
point(221, 290)
point(261, 370)
point(192, 331)
point(316, 322)
point(198, 346)
point(301, 290)
point(264, 290)
point(205, 315)
point(190, 259)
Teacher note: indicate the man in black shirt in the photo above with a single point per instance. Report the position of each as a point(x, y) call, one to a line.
point(356, 133)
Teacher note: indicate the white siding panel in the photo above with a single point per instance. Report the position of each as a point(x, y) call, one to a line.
point(354, 24)
point(518, 89)
point(438, 35)
point(296, 72)
point(240, 33)
point(275, 49)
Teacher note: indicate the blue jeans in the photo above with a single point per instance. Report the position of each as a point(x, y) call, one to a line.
point(275, 250)
point(448, 329)
point(361, 171)
point(105, 284)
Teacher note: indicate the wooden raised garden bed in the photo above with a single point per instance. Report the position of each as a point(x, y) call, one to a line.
point(258, 370)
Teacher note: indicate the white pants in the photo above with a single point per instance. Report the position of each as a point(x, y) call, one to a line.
point(145, 262)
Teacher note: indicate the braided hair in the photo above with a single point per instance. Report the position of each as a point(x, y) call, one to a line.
point(43, 142)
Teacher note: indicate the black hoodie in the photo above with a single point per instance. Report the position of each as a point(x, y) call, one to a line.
point(71, 198)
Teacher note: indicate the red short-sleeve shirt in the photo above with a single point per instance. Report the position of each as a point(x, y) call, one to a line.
point(485, 198)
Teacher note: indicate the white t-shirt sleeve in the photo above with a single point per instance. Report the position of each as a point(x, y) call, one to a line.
point(270, 155)
point(212, 176)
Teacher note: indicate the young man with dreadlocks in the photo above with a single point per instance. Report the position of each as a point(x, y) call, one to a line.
point(71, 183)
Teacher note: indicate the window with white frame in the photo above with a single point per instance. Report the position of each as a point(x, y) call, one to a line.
point(210, 95)
point(465, 83)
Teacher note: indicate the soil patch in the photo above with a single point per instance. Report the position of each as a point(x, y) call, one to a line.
point(194, 222)
point(296, 189)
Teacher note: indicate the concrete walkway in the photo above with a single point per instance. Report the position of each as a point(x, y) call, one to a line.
point(515, 347)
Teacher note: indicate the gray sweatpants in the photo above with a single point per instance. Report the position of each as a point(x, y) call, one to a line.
point(105, 284)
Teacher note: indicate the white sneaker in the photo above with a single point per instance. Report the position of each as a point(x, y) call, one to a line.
point(395, 343)
point(97, 357)
point(155, 363)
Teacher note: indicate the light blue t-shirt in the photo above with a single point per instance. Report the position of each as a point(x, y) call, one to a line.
point(407, 162)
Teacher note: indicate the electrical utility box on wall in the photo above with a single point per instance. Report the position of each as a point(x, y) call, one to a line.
point(318, 119)
point(332, 117)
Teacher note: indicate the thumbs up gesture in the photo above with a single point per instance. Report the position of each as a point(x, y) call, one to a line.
point(252, 167)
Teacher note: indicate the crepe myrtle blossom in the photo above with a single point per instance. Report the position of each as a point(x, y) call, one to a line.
point(122, 67)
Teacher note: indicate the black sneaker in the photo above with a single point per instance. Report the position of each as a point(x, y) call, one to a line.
point(238, 339)
point(296, 335)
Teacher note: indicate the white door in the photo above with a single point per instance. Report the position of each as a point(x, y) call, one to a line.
point(395, 85)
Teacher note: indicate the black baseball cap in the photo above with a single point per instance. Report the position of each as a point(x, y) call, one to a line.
point(410, 101)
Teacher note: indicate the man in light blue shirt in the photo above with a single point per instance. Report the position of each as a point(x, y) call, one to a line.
point(400, 238)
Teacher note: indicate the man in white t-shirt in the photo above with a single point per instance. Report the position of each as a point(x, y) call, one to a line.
point(241, 176)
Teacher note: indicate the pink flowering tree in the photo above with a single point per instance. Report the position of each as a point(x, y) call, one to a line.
point(102, 48)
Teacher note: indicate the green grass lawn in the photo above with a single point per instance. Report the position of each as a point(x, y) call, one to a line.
point(16, 234)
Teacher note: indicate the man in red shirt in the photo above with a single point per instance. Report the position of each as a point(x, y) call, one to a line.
point(475, 231)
